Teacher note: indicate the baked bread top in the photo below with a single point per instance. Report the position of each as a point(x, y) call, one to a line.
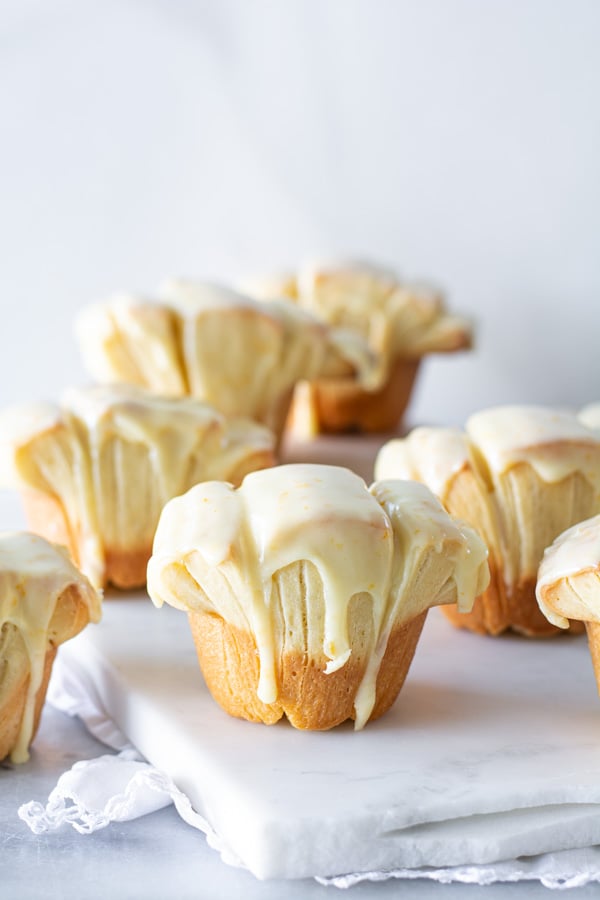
point(553, 442)
point(361, 541)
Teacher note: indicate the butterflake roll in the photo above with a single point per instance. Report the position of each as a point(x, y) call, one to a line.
point(306, 591)
point(96, 469)
point(402, 323)
point(520, 475)
point(44, 601)
point(568, 586)
point(241, 356)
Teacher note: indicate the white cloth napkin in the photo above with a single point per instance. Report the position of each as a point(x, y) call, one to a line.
point(121, 787)
point(567, 869)
point(110, 788)
point(96, 792)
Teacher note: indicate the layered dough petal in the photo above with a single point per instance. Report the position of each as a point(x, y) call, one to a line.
point(239, 355)
point(401, 324)
point(398, 319)
point(568, 585)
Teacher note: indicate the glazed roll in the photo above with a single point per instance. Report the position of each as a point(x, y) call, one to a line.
point(241, 356)
point(306, 591)
point(44, 601)
point(401, 323)
point(95, 470)
point(520, 475)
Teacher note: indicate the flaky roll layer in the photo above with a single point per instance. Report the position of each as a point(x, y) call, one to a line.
point(44, 601)
point(401, 323)
point(241, 356)
point(520, 476)
point(306, 591)
point(96, 470)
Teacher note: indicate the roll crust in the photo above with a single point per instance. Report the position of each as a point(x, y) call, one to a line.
point(12, 705)
point(344, 406)
point(309, 698)
point(44, 601)
point(509, 603)
point(568, 583)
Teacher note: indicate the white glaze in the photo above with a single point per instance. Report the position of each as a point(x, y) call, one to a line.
point(323, 514)
point(432, 455)
point(33, 576)
point(508, 435)
point(555, 443)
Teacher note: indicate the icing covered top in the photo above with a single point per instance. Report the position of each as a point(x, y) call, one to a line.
point(359, 540)
point(431, 455)
point(182, 439)
point(575, 551)
point(33, 576)
point(553, 442)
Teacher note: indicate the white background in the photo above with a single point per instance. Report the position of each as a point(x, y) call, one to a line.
point(457, 140)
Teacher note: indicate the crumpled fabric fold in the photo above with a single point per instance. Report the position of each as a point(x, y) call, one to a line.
point(113, 788)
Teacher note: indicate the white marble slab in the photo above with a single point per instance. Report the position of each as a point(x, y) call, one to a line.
point(490, 752)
